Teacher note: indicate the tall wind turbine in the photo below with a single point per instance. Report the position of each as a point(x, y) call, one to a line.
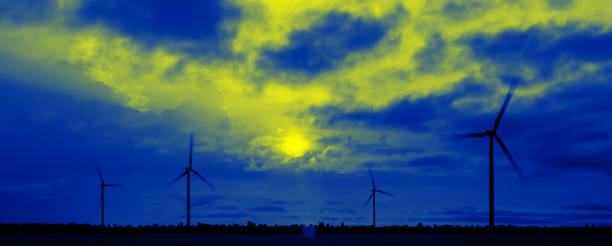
point(373, 198)
point(188, 171)
point(492, 134)
point(102, 187)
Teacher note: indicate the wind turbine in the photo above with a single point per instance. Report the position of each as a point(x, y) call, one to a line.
point(188, 171)
point(373, 198)
point(492, 134)
point(102, 187)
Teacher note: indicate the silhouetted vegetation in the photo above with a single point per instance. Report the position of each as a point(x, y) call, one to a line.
point(252, 228)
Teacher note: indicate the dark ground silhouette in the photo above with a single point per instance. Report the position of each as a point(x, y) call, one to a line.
point(322, 234)
point(320, 229)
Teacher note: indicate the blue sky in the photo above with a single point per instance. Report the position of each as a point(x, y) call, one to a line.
point(292, 102)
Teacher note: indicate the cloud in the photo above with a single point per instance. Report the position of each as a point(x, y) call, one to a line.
point(23, 12)
point(292, 217)
point(333, 203)
point(321, 47)
point(411, 114)
point(154, 21)
point(392, 75)
point(205, 200)
point(542, 49)
point(227, 215)
point(34, 186)
point(561, 3)
point(590, 207)
point(432, 161)
point(404, 114)
point(273, 209)
point(328, 218)
point(432, 55)
point(226, 208)
point(462, 10)
point(566, 131)
point(336, 211)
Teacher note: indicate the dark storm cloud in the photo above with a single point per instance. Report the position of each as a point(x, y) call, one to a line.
point(226, 208)
point(432, 161)
point(204, 200)
point(403, 114)
point(590, 207)
point(320, 48)
point(407, 113)
point(32, 186)
point(379, 149)
point(568, 128)
point(73, 138)
point(541, 48)
point(270, 201)
point(26, 11)
point(274, 209)
point(328, 218)
point(293, 217)
point(459, 212)
point(331, 210)
point(236, 215)
point(333, 203)
point(154, 21)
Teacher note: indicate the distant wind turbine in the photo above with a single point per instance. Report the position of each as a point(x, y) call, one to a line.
point(373, 198)
point(188, 171)
point(102, 187)
point(492, 134)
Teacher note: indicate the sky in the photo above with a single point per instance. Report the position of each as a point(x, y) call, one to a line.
point(290, 104)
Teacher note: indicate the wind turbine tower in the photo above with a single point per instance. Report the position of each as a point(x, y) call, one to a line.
point(373, 198)
point(188, 171)
point(102, 187)
point(492, 134)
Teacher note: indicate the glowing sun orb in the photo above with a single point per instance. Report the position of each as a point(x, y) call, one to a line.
point(294, 145)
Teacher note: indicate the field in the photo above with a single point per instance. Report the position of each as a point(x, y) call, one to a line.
point(251, 239)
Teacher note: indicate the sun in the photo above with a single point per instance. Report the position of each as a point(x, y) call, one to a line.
point(294, 145)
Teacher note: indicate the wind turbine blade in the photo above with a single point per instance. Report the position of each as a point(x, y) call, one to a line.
point(99, 174)
point(370, 198)
point(471, 135)
point(517, 169)
point(503, 109)
point(372, 178)
point(386, 193)
point(177, 178)
point(203, 179)
point(112, 185)
point(190, 148)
